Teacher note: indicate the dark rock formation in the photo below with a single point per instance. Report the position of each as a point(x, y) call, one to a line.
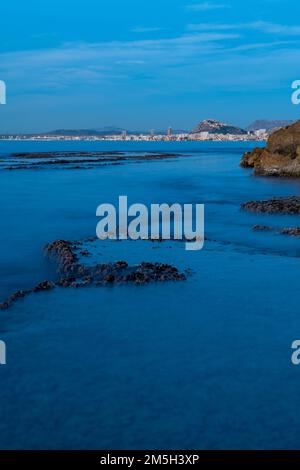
point(63, 250)
point(13, 298)
point(280, 157)
point(56, 154)
point(42, 286)
point(73, 274)
point(77, 159)
point(117, 272)
point(293, 231)
point(281, 205)
point(262, 228)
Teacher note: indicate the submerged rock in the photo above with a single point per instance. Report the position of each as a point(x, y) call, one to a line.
point(73, 274)
point(262, 228)
point(42, 286)
point(280, 205)
point(13, 298)
point(64, 251)
point(78, 160)
point(5, 305)
point(293, 231)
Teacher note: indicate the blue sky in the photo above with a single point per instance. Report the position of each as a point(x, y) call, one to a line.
point(144, 65)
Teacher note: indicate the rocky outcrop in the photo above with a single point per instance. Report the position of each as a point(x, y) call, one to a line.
point(280, 157)
point(291, 231)
point(262, 228)
point(72, 273)
point(77, 159)
point(280, 205)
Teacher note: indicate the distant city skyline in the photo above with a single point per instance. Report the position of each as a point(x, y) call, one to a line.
point(150, 66)
point(207, 125)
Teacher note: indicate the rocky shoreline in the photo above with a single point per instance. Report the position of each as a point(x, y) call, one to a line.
point(280, 157)
point(74, 274)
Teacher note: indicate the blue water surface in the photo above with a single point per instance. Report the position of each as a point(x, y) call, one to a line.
point(201, 364)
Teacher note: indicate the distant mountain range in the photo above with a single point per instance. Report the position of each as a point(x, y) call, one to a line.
point(104, 131)
point(87, 132)
point(268, 124)
point(212, 126)
point(216, 127)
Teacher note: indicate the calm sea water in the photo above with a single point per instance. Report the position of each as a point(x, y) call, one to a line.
point(200, 364)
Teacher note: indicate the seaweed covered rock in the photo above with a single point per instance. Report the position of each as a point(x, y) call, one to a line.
point(279, 205)
point(74, 274)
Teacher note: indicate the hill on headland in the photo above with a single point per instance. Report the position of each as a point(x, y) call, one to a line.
point(213, 126)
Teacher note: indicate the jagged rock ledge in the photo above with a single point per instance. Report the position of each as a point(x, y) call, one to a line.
point(262, 228)
point(280, 205)
point(74, 274)
point(291, 231)
point(78, 160)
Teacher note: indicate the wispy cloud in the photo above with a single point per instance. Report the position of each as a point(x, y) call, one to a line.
point(130, 62)
point(212, 27)
point(205, 6)
point(264, 46)
point(274, 28)
point(115, 61)
point(262, 26)
point(146, 29)
point(212, 58)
